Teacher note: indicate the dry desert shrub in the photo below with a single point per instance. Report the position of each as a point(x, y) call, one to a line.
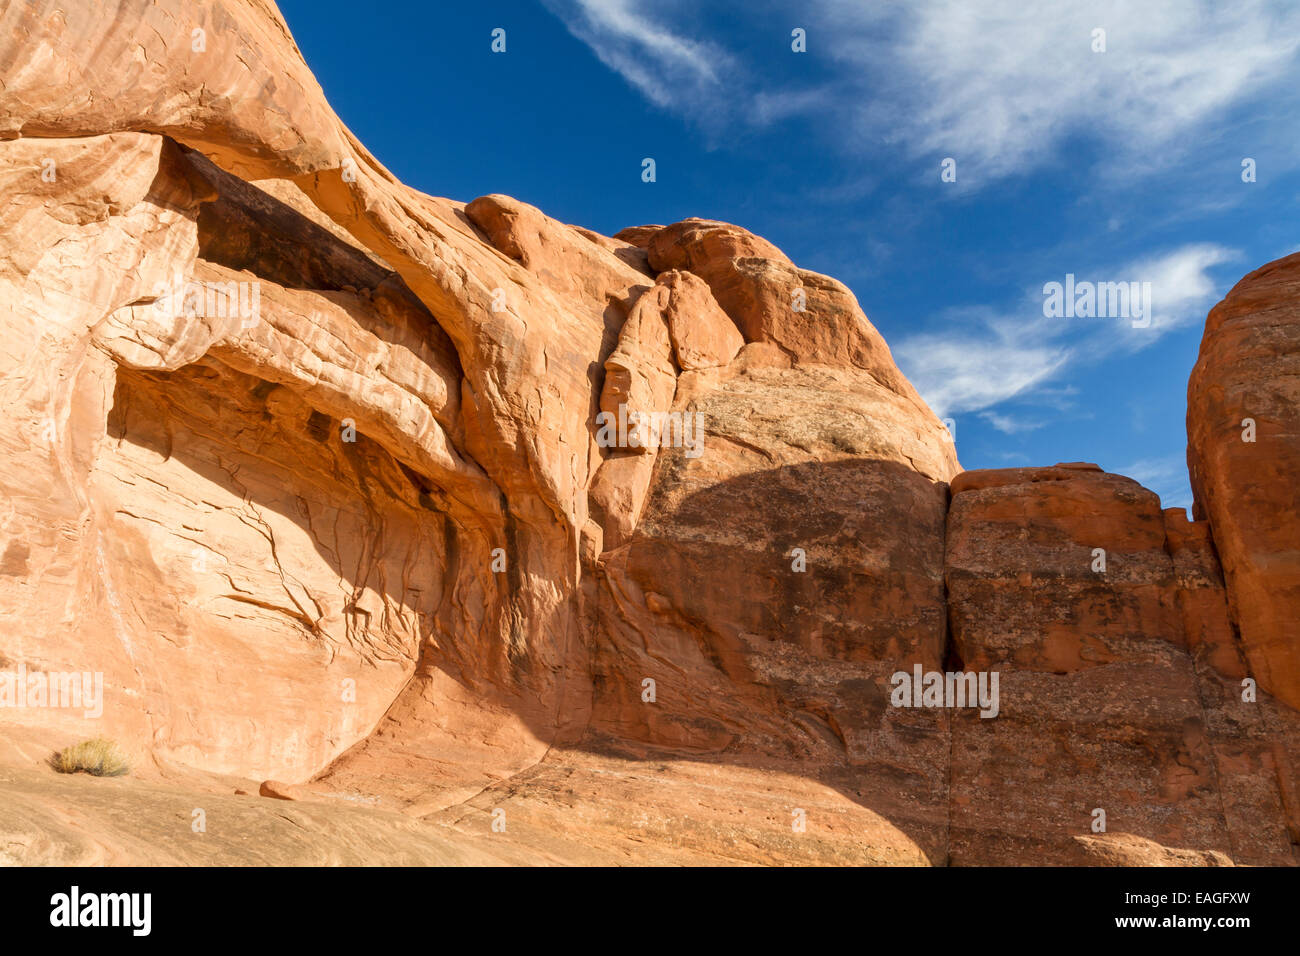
point(98, 757)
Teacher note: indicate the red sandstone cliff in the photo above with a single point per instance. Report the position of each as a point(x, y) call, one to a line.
point(362, 531)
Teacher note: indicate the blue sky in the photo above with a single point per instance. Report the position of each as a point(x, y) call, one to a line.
point(1122, 165)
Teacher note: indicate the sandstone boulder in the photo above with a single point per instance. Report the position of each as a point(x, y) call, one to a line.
point(702, 334)
point(810, 317)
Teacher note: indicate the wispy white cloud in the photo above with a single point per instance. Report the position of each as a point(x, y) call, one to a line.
point(1181, 286)
point(1000, 87)
point(634, 40)
point(981, 357)
point(1003, 86)
point(977, 362)
point(1009, 424)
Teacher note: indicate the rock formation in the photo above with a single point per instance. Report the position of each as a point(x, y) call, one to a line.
point(536, 545)
point(1243, 426)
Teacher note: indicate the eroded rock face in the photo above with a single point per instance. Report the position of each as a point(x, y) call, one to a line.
point(203, 536)
point(317, 472)
point(1103, 617)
